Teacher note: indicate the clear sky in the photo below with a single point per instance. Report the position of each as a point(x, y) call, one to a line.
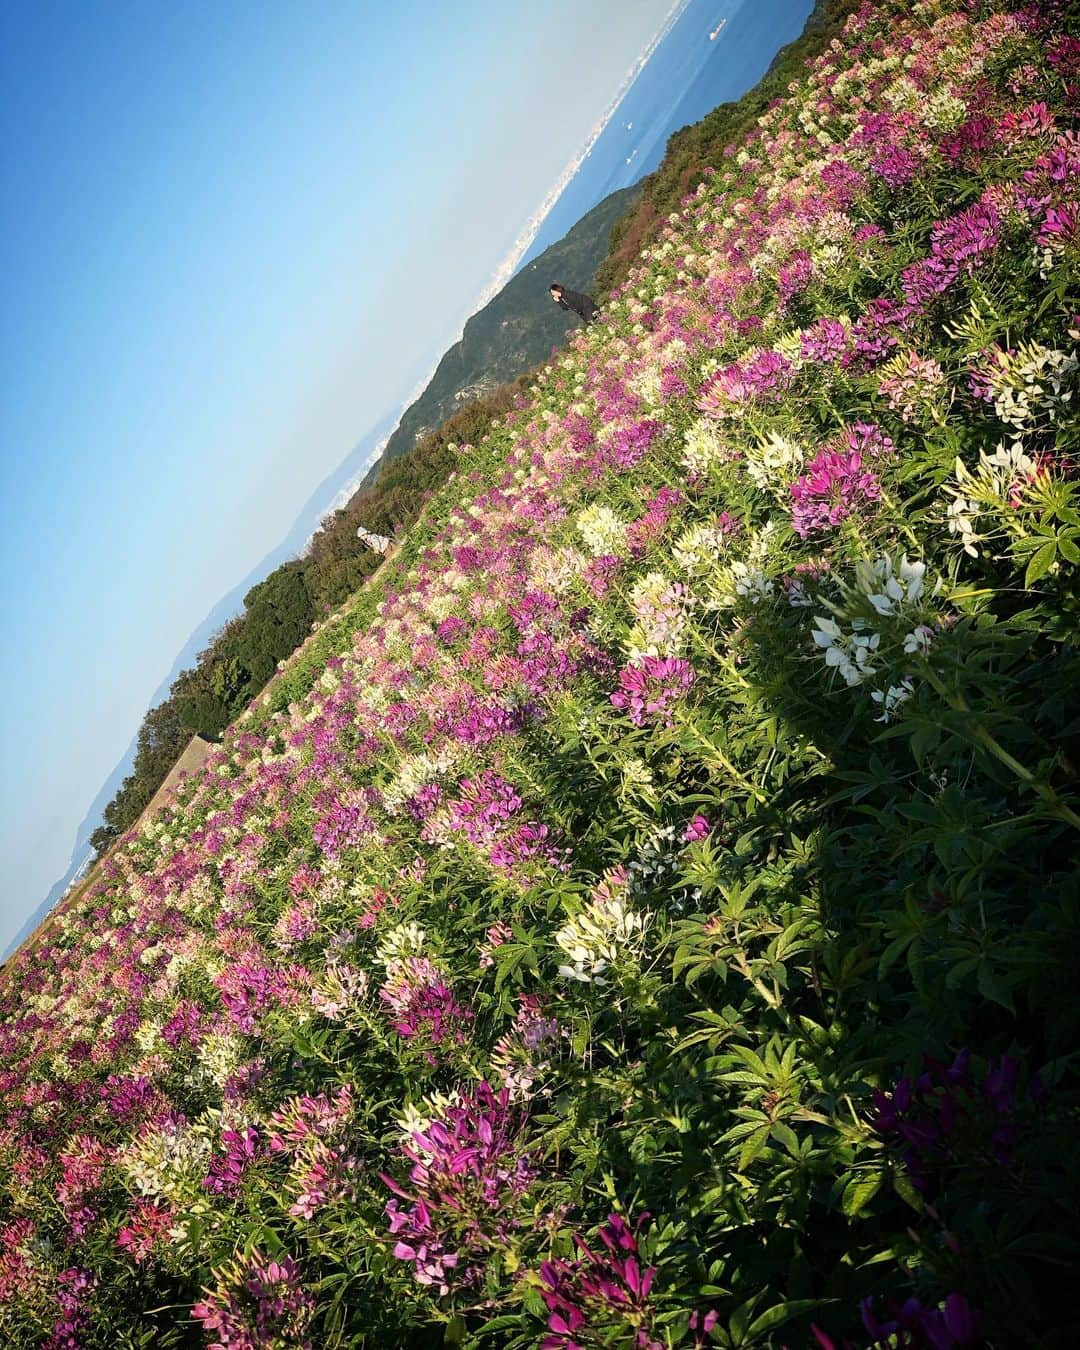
point(233, 236)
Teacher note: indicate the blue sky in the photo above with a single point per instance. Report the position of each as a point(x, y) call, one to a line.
point(233, 236)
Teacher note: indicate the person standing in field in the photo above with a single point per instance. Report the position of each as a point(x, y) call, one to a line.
point(584, 306)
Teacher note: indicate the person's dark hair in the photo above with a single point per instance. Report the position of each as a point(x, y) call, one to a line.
point(557, 286)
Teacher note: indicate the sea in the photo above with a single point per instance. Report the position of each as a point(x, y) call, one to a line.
point(713, 53)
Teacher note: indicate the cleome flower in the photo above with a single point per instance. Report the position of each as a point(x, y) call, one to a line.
point(661, 610)
point(836, 484)
point(1030, 384)
point(882, 620)
point(650, 689)
point(601, 1291)
point(774, 462)
point(601, 530)
point(167, 1160)
point(701, 546)
point(470, 1167)
point(851, 653)
point(891, 699)
point(915, 387)
point(604, 933)
point(257, 1301)
point(704, 448)
point(891, 587)
point(742, 581)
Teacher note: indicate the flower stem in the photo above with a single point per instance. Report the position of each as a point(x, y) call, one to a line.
point(981, 736)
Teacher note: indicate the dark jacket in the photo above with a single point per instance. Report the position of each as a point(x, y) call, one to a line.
point(584, 306)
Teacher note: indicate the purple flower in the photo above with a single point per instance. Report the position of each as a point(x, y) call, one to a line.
point(913, 1324)
point(227, 1169)
point(345, 826)
point(601, 1289)
point(896, 165)
point(942, 1115)
point(966, 239)
point(834, 485)
point(268, 1305)
point(469, 1169)
point(650, 689)
point(697, 829)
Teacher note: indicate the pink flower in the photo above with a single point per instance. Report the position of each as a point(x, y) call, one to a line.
point(698, 828)
point(650, 689)
point(834, 486)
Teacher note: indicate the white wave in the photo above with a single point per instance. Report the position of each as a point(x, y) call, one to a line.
point(507, 267)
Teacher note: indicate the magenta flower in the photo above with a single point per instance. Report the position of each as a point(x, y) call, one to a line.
point(469, 1169)
point(834, 485)
point(764, 374)
point(486, 804)
point(226, 1174)
point(966, 239)
point(423, 1005)
point(269, 1306)
point(600, 1289)
point(650, 689)
point(698, 828)
point(147, 1227)
point(825, 342)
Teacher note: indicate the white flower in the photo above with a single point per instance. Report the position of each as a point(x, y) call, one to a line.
point(601, 934)
point(698, 547)
point(775, 463)
point(407, 939)
point(849, 653)
point(890, 587)
point(963, 519)
point(703, 448)
point(1032, 381)
point(919, 640)
point(891, 699)
point(602, 530)
point(740, 582)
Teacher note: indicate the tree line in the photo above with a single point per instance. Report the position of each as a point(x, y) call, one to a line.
point(279, 612)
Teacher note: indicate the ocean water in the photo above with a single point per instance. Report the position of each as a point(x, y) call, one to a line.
point(687, 76)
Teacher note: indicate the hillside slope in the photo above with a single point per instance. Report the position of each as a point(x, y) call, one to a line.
point(696, 150)
point(516, 330)
point(513, 334)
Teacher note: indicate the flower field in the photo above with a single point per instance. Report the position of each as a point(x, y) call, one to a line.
point(649, 916)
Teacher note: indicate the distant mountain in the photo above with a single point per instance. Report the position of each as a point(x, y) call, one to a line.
point(516, 330)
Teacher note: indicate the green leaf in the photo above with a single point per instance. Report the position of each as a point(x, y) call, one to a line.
point(903, 1187)
point(1067, 548)
point(786, 1136)
point(740, 1318)
point(992, 988)
point(859, 1192)
point(754, 1146)
point(1041, 563)
point(780, 1313)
